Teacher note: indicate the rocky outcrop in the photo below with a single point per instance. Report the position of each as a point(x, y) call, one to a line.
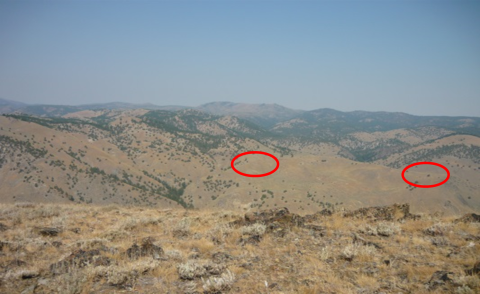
point(79, 259)
point(46, 231)
point(281, 216)
point(475, 270)
point(318, 215)
point(269, 215)
point(469, 218)
point(277, 222)
point(252, 240)
point(393, 212)
point(147, 248)
point(3, 227)
point(439, 279)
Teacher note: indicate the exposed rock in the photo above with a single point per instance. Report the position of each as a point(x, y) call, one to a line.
point(47, 231)
point(29, 275)
point(134, 251)
point(469, 218)
point(439, 278)
point(180, 233)
point(147, 248)
point(57, 244)
point(475, 269)
point(315, 230)
point(253, 240)
point(214, 268)
point(266, 215)
point(393, 212)
point(279, 215)
point(273, 286)
point(276, 229)
point(325, 212)
point(79, 259)
point(307, 282)
point(247, 265)
point(278, 221)
point(289, 220)
point(317, 215)
point(439, 241)
point(454, 252)
point(3, 227)
point(437, 230)
point(221, 257)
point(470, 237)
point(76, 230)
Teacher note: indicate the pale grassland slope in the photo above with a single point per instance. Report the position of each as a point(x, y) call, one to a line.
point(183, 159)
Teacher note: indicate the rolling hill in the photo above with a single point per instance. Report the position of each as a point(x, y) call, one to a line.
point(182, 158)
point(265, 115)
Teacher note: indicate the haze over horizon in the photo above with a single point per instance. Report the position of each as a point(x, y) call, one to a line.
point(415, 57)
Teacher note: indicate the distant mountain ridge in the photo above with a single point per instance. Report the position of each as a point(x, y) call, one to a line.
point(8, 106)
point(266, 115)
point(61, 110)
point(327, 123)
point(271, 116)
point(4, 102)
point(287, 127)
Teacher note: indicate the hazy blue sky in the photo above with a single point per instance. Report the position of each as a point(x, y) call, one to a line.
point(419, 57)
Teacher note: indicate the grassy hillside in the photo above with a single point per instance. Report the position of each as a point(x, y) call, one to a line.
point(169, 159)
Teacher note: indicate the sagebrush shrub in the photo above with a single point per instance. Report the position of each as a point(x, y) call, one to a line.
point(190, 270)
point(254, 230)
point(216, 284)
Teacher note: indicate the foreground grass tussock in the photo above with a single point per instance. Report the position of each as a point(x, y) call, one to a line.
point(110, 249)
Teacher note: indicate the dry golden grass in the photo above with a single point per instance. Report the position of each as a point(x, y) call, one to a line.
point(369, 283)
point(299, 175)
point(204, 240)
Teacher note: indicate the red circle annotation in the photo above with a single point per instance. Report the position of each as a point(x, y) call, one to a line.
point(425, 186)
point(255, 152)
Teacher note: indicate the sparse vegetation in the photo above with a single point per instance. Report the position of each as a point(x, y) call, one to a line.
point(218, 251)
point(159, 163)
